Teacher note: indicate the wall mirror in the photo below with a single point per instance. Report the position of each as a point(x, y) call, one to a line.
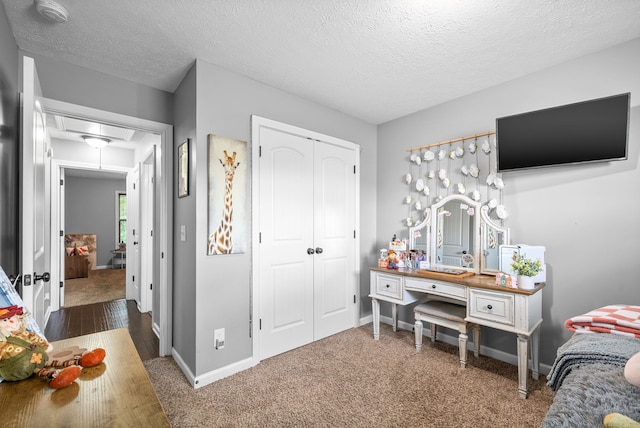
point(458, 233)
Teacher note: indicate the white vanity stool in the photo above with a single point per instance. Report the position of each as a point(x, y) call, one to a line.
point(448, 315)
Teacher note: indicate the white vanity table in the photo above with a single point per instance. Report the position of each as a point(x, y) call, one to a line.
point(476, 239)
point(512, 310)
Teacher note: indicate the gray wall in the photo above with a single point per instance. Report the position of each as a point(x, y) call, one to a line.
point(184, 214)
point(90, 207)
point(590, 238)
point(78, 85)
point(9, 148)
point(221, 284)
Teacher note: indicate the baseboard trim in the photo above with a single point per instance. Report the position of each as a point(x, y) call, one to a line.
point(212, 376)
point(183, 366)
point(453, 340)
point(156, 329)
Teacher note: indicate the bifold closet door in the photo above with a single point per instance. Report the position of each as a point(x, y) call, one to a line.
point(307, 216)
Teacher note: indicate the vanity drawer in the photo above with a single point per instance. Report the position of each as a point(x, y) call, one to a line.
point(491, 306)
point(439, 288)
point(389, 285)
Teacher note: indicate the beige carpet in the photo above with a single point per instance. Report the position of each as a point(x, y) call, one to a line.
point(350, 380)
point(102, 285)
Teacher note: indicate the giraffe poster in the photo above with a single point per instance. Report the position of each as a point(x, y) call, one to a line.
point(227, 216)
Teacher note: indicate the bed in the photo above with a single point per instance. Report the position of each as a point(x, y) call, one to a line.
point(588, 374)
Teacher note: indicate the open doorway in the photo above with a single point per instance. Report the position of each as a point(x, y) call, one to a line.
point(94, 220)
point(152, 137)
point(94, 189)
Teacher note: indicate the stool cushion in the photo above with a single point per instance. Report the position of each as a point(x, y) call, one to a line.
point(445, 310)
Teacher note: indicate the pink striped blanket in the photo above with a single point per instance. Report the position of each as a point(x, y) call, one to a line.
point(618, 319)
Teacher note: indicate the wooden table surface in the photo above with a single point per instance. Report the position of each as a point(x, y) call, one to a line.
point(116, 393)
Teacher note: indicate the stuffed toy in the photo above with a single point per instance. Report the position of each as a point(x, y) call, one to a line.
point(24, 353)
point(617, 420)
point(392, 260)
point(632, 370)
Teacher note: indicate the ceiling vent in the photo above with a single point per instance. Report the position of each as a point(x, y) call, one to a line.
point(52, 10)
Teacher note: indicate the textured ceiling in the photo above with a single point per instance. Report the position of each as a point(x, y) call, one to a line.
point(373, 59)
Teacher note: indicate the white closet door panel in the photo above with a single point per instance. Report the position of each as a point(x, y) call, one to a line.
point(286, 270)
point(334, 225)
point(289, 298)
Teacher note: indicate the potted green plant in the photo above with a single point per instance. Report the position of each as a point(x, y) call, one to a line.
point(526, 269)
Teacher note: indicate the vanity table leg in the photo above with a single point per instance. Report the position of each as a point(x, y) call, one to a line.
point(523, 348)
point(394, 316)
point(535, 347)
point(375, 307)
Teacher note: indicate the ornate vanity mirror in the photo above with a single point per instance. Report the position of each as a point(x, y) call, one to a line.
point(491, 236)
point(458, 234)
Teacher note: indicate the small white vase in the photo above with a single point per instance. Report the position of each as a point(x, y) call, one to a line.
point(526, 282)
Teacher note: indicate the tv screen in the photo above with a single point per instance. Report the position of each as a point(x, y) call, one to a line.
point(588, 131)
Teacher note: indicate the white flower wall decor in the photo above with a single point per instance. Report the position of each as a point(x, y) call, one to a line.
point(465, 166)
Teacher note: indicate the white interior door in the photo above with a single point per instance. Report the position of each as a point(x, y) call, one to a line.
point(35, 227)
point(286, 265)
point(456, 234)
point(59, 205)
point(334, 239)
point(147, 191)
point(133, 242)
point(307, 245)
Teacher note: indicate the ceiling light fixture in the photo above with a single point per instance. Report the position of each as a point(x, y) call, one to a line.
point(97, 142)
point(52, 10)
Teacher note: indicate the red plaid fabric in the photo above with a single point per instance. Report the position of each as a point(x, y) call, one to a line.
point(617, 319)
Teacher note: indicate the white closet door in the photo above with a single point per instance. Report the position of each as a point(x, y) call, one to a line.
point(334, 226)
point(286, 228)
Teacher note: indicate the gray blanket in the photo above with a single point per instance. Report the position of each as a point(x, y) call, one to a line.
point(591, 348)
point(588, 381)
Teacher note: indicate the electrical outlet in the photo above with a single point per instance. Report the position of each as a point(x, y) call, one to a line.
point(218, 338)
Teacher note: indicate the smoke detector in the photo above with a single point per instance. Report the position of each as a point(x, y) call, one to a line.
point(52, 10)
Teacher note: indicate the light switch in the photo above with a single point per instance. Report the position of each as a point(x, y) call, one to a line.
point(183, 233)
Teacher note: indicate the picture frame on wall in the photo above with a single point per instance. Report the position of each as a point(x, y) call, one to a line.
point(227, 195)
point(183, 169)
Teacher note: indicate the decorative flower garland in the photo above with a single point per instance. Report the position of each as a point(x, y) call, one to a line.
point(453, 163)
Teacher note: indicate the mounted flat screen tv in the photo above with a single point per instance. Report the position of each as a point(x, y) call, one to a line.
point(589, 131)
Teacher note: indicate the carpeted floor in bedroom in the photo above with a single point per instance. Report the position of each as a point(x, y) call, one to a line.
point(350, 380)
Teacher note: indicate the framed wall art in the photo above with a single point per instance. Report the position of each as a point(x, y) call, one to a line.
point(183, 169)
point(227, 195)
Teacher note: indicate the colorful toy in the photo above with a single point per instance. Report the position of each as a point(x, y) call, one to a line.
point(24, 353)
point(617, 420)
point(392, 260)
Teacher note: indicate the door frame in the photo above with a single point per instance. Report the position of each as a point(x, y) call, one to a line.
point(58, 214)
point(258, 122)
point(163, 324)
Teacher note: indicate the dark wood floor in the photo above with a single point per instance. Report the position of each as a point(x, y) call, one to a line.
point(87, 319)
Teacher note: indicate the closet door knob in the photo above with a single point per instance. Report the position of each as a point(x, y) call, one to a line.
point(310, 251)
point(319, 250)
